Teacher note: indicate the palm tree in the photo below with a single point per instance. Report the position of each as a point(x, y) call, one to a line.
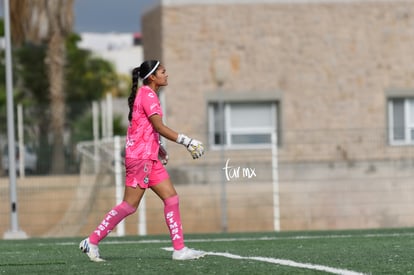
point(49, 22)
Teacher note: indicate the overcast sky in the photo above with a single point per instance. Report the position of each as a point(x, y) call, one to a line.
point(109, 15)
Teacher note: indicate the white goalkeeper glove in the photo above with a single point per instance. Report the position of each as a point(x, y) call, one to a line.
point(193, 146)
point(163, 154)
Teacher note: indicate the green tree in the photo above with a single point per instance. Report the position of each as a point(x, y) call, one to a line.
point(88, 78)
point(82, 130)
point(3, 92)
point(32, 85)
point(49, 22)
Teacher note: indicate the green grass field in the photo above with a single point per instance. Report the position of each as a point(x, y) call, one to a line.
point(314, 252)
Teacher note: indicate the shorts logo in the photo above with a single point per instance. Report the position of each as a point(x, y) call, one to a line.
point(146, 179)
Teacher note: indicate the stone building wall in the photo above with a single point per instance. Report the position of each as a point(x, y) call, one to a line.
point(329, 64)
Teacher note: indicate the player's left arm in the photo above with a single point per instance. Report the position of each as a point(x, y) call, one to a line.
point(194, 146)
point(162, 129)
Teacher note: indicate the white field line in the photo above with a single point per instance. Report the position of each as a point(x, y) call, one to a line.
point(263, 259)
point(284, 262)
point(112, 240)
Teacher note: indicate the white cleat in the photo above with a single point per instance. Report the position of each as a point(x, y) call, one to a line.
point(187, 254)
point(91, 250)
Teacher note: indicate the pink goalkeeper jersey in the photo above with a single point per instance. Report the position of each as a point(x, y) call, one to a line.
point(142, 141)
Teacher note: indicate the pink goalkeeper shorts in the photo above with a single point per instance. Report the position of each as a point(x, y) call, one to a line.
point(144, 173)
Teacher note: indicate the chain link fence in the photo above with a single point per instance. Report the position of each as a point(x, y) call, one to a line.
point(315, 180)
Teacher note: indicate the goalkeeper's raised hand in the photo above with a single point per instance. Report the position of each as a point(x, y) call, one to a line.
point(193, 146)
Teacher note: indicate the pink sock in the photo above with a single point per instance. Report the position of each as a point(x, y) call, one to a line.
point(115, 216)
point(173, 219)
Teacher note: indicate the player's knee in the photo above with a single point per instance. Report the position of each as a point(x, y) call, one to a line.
point(174, 200)
point(129, 209)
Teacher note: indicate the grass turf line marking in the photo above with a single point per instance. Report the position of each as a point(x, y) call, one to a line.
point(284, 262)
point(303, 237)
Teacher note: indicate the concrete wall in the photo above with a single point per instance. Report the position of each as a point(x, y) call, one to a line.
point(48, 207)
point(331, 66)
point(329, 63)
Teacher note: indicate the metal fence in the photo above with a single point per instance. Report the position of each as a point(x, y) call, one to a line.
point(325, 179)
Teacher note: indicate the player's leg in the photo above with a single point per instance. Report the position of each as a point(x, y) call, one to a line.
point(167, 193)
point(136, 181)
point(132, 197)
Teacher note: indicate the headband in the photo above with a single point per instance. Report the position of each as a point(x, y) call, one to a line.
point(153, 70)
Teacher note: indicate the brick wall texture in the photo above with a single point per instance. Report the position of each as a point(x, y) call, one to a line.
point(331, 66)
point(331, 63)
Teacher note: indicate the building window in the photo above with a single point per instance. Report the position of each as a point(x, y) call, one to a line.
point(401, 121)
point(242, 125)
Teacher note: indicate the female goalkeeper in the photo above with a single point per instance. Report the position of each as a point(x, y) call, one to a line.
point(144, 159)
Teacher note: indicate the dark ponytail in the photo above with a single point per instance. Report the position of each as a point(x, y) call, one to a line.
point(140, 72)
point(131, 98)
